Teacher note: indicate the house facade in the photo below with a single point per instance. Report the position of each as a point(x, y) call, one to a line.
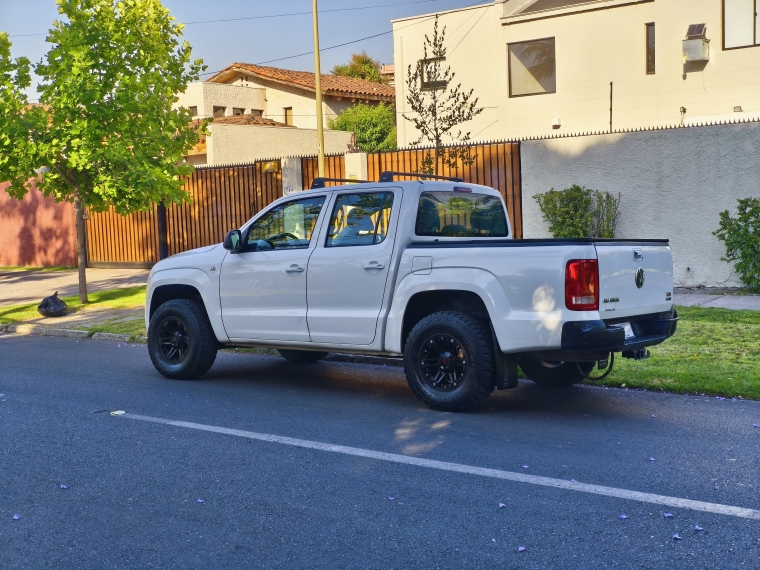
point(544, 67)
point(281, 95)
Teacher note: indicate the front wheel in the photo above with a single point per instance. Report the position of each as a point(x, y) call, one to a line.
point(448, 360)
point(181, 343)
point(554, 374)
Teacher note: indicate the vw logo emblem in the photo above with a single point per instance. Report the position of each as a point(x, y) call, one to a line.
point(640, 277)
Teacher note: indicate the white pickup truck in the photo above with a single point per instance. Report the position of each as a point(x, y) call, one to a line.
point(426, 269)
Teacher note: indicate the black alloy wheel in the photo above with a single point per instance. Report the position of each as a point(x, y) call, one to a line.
point(174, 340)
point(443, 362)
point(181, 341)
point(449, 360)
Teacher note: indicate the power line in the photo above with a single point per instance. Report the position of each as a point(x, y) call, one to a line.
point(308, 13)
point(278, 15)
point(485, 4)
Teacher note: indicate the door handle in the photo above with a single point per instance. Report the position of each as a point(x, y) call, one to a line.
point(294, 269)
point(370, 266)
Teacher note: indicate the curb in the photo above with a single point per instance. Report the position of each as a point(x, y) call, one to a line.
point(42, 330)
point(111, 337)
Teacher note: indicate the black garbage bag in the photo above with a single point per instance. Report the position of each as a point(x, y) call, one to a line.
point(52, 306)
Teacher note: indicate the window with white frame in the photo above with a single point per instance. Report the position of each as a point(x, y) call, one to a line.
point(532, 68)
point(741, 27)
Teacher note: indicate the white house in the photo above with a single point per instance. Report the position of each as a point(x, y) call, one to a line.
point(543, 67)
point(282, 95)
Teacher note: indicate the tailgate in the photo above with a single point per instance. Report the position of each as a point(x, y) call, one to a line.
point(634, 278)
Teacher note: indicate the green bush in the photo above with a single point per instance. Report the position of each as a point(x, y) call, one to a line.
point(580, 212)
point(373, 125)
point(741, 236)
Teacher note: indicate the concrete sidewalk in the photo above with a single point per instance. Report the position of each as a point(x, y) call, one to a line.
point(718, 301)
point(19, 287)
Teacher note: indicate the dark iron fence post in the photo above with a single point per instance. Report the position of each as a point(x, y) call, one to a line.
point(163, 242)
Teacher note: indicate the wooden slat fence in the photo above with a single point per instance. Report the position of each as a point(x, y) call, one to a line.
point(496, 165)
point(335, 167)
point(225, 197)
point(222, 198)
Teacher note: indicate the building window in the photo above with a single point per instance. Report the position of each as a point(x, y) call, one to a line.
point(257, 112)
point(193, 110)
point(289, 116)
point(432, 74)
point(237, 111)
point(650, 49)
point(741, 27)
point(219, 111)
point(532, 68)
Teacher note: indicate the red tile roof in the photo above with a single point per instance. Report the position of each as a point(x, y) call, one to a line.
point(247, 120)
point(331, 84)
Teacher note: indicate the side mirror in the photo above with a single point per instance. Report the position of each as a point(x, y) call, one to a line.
point(233, 241)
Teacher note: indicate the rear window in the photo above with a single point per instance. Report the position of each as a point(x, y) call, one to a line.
point(455, 214)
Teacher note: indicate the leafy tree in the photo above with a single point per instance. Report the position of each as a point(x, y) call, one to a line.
point(741, 236)
point(374, 126)
point(105, 133)
point(437, 108)
point(361, 66)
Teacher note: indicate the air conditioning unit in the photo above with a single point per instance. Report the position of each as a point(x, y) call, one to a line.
point(696, 47)
point(696, 50)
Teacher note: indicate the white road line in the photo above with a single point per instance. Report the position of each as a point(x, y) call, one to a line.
point(468, 469)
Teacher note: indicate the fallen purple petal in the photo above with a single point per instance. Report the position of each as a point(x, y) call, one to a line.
point(201, 501)
point(502, 505)
point(652, 459)
point(391, 498)
point(525, 466)
point(15, 517)
point(667, 515)
point(698, 528)
point(64, 487)
point(520, 549)
point(572, 480)
point(754, 425)
point(676, 537)
point(493, 540)
point(654, 416)
point(623, 517)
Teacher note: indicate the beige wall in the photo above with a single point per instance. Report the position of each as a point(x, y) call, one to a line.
point(207, 95)
point(593, 48)
point(303, 102)
point(673, 184)
point(245, 143)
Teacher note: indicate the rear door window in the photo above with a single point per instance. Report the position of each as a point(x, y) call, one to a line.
point(360, 219)
point(459, 214)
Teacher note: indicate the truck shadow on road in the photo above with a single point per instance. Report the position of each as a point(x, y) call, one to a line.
point(388, 384)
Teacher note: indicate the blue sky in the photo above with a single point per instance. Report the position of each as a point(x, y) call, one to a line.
point(253, 40)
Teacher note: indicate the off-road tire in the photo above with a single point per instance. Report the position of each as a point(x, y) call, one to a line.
point(202, 344)
point(560, 377)
point(302, 356)
point(474, 337)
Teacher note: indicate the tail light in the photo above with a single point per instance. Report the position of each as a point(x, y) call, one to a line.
point(582, 285)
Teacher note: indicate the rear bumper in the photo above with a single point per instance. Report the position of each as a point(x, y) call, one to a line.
point(598, 336)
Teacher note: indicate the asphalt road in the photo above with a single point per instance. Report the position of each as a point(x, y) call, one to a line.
point(133, 486)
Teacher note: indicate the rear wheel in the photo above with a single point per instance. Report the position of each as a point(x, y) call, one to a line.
point(448, 360)
point(302, 356)
point(554, 374)
point(181, 343)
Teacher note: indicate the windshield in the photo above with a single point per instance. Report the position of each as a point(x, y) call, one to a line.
point(459, 214)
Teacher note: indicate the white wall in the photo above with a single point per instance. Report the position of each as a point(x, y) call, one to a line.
point(593, 48)
point(206, 96)
point(673, 183)
point(229, 144)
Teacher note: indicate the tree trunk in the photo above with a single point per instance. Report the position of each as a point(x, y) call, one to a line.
point(81, 248)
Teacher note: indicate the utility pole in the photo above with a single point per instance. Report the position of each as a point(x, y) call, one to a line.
point(318, 86)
